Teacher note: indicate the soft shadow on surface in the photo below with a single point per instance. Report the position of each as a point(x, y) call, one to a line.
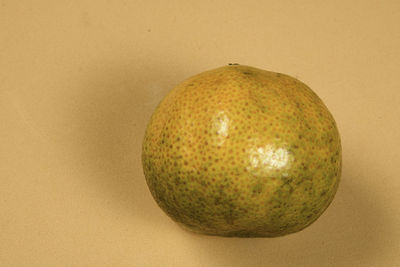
point(352, 232)
point(115, 106)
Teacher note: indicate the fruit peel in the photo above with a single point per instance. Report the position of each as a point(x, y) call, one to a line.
point(242, 152)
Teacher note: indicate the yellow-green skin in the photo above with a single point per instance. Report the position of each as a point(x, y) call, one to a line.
point(239, 151)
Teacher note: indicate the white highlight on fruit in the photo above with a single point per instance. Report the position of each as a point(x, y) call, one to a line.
point(269, 157)
point(221, 124)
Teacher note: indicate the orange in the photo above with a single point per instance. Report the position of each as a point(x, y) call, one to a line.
point(240, 151)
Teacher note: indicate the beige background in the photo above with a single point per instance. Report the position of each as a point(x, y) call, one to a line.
point(80, 79)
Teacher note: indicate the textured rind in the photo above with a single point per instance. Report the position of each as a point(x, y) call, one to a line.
point(239, 151)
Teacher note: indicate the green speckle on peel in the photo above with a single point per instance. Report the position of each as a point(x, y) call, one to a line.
point(242, 152)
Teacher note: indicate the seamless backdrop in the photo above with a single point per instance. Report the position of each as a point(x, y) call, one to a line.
point(80, 79)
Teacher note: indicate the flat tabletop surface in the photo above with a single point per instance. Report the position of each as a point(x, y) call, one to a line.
point(79, 81)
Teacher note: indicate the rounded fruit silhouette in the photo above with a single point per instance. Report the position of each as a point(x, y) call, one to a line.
point(242, 152)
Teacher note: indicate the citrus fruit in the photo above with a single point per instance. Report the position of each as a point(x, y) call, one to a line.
point(242, 152)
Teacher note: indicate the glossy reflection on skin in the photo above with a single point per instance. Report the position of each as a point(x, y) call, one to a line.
point(268, 157)
point(221, 125)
